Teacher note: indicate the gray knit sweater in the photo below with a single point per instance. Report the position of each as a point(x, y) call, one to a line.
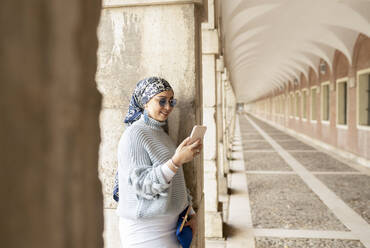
point(144, 191)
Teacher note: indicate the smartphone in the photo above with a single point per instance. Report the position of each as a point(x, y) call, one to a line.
point(197, 133)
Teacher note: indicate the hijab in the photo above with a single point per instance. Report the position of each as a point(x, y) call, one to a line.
point(144, 91)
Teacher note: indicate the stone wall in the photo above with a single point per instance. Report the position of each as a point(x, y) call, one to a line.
point(137, 42)
point(49, 133)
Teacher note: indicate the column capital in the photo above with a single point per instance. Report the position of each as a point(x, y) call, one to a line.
point(210, 24)
point(210, 43)
point(220, 65)
point(225, 75)
point(131, 3)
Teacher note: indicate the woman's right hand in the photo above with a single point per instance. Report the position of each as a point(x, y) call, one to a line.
point(186, 152)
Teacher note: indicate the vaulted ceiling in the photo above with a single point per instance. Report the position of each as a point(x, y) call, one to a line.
point(271, 42)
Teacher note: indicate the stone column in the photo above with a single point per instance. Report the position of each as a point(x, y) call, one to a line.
point(228, 118)
point(213, 218)
point(140, 39)
point(49, 130)
point(225, 78)
point(222, 179)
point(231, 114)
point(223, 144)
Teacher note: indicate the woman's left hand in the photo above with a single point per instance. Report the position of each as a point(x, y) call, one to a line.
point(192, 223)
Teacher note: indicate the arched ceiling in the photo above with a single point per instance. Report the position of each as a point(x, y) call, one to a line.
point(271, 42)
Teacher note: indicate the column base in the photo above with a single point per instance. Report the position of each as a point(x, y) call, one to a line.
point(223, 197)
point(213, 225)
point(225, 200)
point(111, 232)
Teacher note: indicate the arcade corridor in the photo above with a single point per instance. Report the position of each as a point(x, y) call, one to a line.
point(286, 193)
point(283, 87)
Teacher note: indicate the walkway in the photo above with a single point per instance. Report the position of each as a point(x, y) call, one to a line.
point(286, 193)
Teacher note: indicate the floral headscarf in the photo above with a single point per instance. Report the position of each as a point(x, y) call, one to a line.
point(144, 91)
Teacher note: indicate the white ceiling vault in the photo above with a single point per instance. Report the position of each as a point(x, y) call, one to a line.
point(271, 42)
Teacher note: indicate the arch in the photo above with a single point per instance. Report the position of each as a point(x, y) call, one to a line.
point(239, 22)
point(361, 60)
point(313, 78)
point(326, 76)
point(296, 65)
point(269, 47)
point(304, 79)
point(341, 65)
point(244, 37)
point(247, 51)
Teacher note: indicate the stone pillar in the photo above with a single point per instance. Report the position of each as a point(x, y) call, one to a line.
point(227, 116)
point(49, 130)
point(223, 165)
point(213, 218)
point(222, 179)
point(225, 78)
point(231, 114)
point(219, 117)
point(140, 39)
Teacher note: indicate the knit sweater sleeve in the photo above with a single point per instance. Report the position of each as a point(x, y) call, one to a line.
point(146, 179)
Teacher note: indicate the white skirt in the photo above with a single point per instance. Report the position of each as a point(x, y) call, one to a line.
point(149, 233)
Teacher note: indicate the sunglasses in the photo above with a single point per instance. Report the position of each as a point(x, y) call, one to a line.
point(171, 102)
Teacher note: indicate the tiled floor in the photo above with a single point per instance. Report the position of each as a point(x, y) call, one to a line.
point(288, 194)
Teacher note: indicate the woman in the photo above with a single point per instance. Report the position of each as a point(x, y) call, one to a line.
point(152, 187)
